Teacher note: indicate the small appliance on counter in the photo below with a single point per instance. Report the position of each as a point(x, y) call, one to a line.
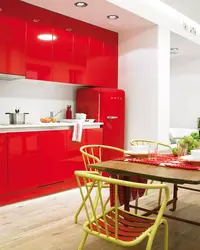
point(17, 117)
point(68, 112)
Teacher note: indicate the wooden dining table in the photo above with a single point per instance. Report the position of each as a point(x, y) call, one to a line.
point(176, 176)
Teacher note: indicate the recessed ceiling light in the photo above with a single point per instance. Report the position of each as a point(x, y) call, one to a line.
point(174, 49)
point(112, 17)
point(47, 37)
point(81, 4)
point(68, 29)
point(37, 20)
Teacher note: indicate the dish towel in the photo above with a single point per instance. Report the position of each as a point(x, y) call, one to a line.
point(77, 132)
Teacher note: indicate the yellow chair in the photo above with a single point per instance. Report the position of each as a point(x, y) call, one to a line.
point(93, 154)
point(161, 148)
point(115, 224)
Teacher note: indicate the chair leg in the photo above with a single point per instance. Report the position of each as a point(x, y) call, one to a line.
point(136, 205)
point(166, 234)
point(151, 182)
point(83, 241)
point(81, 207)
point(160, 195)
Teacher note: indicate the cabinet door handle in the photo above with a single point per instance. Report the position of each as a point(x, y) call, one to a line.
point(112, 117)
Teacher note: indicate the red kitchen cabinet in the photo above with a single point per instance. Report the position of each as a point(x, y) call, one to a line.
point(39, 56)
point(74, 156)
point(63, 50)
point(53, 156)
point(110, 54)
point(23, 161)
point(81, 55)
point(75, 160)
point(95, 64)
point(12, 42)
point(3, 163)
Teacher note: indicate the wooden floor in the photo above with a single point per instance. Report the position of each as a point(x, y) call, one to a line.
point(47, 224)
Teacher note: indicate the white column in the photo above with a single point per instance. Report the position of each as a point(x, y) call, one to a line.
point(144, 73)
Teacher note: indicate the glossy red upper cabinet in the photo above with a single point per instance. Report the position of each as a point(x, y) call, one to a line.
point(39, 57)
point(81, 54)
point(3, 163)
point(23, 161)
point(63, 48)
point(110, 53)
point(95, 58)
point(12, 42)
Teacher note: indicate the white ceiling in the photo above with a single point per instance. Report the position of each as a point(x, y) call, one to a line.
point(189, 8)
point(95, 13)
point(186, 47)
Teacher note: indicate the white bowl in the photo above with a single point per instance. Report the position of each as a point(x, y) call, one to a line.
point(80, 116)
point(142, 149)
point(195, 153)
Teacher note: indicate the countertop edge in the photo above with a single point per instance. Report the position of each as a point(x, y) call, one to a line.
point(45, 127)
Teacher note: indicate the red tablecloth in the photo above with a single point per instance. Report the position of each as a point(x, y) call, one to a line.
point(168, 161)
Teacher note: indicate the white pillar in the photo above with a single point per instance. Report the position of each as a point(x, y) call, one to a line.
point(144, 74)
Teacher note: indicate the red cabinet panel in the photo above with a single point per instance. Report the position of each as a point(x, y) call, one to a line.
point(63, 50)
point(95, 59)
point(3, 163)
point(22, 161)
point(110, 53)
point(39, 57)
point(81, 54)
point(12, 43)
point(53, 157)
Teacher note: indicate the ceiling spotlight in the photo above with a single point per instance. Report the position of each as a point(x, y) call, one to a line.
point(81, 4)
point(174, 51)
point(37, 20)
point(112, 17)
point(68, 29)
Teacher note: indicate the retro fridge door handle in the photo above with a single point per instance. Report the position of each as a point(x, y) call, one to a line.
point(112, 117)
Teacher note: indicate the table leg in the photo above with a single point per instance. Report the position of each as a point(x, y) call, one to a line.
point(127, 191)
point(175, 198)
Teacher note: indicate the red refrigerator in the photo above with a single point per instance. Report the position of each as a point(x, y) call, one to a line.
point(107, 106)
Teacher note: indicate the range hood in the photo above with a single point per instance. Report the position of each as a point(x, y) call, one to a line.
point(9, 77)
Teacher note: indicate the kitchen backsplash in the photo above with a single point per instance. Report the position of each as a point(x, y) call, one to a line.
point(37, 98)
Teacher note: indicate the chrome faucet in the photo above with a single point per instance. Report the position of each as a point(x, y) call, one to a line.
point(53, 115)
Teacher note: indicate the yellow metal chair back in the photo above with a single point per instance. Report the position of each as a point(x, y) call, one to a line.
point(161, 147)
point(93, 154)
point(114, 224)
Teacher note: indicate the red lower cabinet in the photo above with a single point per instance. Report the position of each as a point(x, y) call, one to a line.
point(52, 157)
point(23, 161)
point(3, 163)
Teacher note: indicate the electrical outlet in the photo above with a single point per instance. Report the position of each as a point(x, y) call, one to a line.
point(185, 26)
point(193, 31)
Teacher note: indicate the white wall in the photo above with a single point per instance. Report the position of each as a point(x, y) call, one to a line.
point(37, 98)
point(144, 75)
point(185, 92)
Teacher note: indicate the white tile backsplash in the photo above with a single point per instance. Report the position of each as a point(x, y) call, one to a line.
point(37, 98)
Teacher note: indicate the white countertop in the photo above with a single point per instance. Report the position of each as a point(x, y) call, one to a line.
point(45, 126)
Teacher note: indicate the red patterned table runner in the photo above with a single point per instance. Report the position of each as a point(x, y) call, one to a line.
point(164, 160)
